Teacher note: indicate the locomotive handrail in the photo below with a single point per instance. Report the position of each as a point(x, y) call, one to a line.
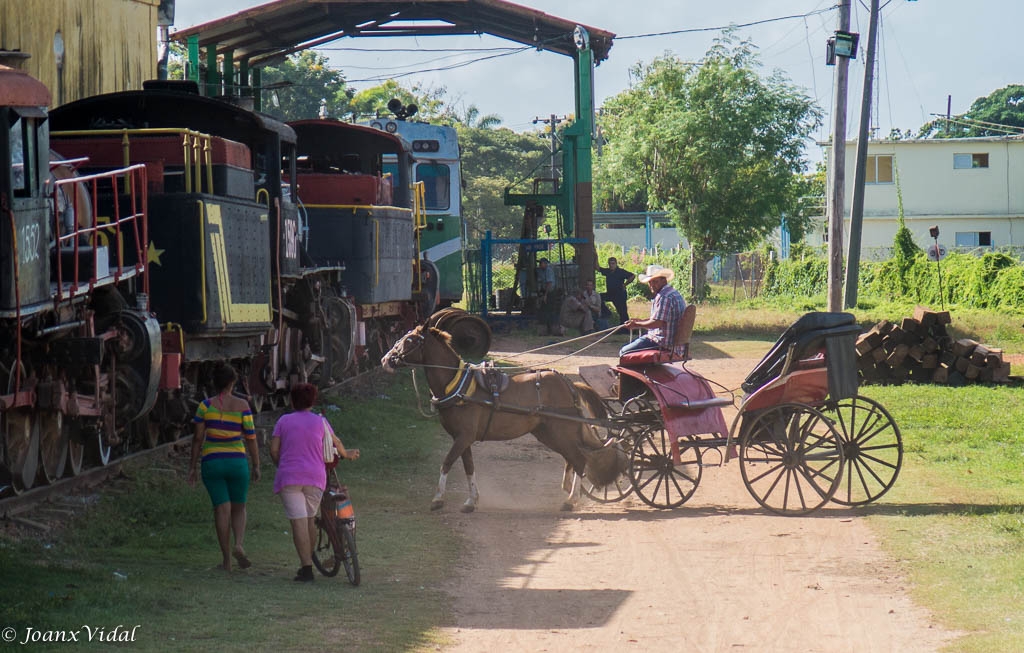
point(197, 150)
point(135, 180)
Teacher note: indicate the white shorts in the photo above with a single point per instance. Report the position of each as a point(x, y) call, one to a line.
point(301, 501)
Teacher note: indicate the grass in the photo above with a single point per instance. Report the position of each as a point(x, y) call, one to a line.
point(954, 522)
point(955, 519)
point(159, 534)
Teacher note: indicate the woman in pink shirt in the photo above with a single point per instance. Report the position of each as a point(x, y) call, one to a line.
point(297, 449)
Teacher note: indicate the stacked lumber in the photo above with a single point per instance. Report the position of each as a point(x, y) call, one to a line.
point(920, 349)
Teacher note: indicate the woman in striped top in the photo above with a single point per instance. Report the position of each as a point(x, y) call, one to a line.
point(224, 434)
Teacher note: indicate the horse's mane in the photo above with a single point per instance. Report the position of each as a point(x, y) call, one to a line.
point(443, 336)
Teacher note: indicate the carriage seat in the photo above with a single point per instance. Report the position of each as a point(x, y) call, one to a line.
point(803, 336)
point(679, 351)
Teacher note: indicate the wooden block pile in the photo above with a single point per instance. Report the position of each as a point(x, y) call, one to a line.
point(920, 349)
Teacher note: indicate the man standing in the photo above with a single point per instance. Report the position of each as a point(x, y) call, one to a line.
point(616, 279)
point(666, 309)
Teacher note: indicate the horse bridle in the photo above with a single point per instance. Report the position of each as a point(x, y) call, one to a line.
point(394, 358)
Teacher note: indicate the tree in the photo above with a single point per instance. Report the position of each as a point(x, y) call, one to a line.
point(997, 114)
point(306, 79)
point(491, 160)
point(714, 144)
point(373, 102)
point(472, 117)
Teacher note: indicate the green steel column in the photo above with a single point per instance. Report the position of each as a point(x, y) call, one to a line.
point(228, 74)
point(243, 78)
point(192, 71)
point(583, 129)
point(257, 89)
point(212, 78)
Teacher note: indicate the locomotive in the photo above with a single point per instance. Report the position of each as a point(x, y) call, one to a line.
point(290, 252)
point(80, 354)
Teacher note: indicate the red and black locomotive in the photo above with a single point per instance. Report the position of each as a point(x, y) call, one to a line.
point(224, 262)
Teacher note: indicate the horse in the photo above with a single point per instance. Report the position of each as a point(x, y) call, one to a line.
point(542, 402)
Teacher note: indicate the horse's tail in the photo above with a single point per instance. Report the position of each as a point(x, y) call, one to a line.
point(605, 460)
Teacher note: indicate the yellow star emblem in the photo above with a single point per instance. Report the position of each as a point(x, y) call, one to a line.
point(153, 254)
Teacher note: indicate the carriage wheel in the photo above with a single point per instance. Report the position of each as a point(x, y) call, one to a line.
point(96, 446)
point(618, 490)
point(658, 481)
point(621, 487)
point(872, 449)
point(22, 458)
point(54, 437)
point(791, 459)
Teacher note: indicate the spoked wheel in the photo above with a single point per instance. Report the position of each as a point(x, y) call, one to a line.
point(22, 459)
point(327, 551)
point(349, 555)
point(97, 448)
point(76, 447)
point(338, 349)
point(54, 437)
point(791, 459)
point(872, 449)
point(622, 486)
point(658, 481)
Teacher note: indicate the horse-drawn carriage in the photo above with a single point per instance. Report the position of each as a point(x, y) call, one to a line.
point(802, 434)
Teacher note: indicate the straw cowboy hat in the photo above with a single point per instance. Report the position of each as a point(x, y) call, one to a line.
point(656, 271)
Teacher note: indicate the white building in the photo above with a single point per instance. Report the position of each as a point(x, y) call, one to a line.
point(971, 188)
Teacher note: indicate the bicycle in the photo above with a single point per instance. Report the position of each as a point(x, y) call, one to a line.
point(335, 544)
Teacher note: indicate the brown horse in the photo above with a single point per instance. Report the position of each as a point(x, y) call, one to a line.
point(543, 403)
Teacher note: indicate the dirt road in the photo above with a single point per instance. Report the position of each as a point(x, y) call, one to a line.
point(717, 574)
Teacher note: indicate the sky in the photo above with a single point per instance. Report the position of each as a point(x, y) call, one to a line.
point(929, 50)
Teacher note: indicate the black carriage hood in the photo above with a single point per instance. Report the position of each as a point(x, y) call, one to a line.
point(162, 108)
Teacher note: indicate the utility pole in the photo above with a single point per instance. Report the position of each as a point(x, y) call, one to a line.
point(553, 121)
point(837, 168)
point(859, 174)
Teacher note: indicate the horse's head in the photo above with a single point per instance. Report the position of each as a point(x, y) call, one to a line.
point(408, 350)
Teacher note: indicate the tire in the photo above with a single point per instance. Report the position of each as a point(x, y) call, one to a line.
point(872, 448)
point(327, 550)
point(791, 459)
point(658, 481)
point(349, 554)
point(617, 491)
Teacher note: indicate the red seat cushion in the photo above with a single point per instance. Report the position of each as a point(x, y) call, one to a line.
point(647, 357)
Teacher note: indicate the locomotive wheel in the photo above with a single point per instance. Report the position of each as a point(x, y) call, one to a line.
point(791, 459)
point(76, 447)
point(872, 449)
point(54, 437)
point(658, 481)
point(339, 341)
point(96, 447)
point(22, 431)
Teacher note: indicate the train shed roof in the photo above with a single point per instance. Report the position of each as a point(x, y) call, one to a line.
point(265, 33)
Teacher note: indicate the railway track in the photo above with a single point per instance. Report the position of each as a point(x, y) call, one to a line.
point(19, 508)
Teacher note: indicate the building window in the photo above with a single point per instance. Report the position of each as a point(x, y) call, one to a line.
point(879, 169)
point(969, 161)
point(436, 178)
point(974, 239)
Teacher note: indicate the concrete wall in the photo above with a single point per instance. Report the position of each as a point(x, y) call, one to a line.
point(937, 194)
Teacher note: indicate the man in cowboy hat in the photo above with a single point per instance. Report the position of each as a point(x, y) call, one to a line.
point(666, 309)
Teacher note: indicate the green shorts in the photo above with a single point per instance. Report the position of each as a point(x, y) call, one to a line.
point(226, 479)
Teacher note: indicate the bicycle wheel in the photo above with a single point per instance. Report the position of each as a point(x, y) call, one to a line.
point(872, 446)
point(791, 459)
point(349, 555)
point(328, 551)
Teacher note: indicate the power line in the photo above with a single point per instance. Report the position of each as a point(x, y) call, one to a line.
point(696, 30)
